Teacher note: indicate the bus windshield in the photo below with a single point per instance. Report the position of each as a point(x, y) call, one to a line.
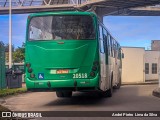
point(60, 27)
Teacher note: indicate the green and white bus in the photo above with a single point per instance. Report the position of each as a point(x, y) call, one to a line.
point(71, 51)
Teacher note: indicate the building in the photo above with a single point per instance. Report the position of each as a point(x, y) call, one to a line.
point(155, 45)
point(140, 65)
point(152, 64)
point(133, 65)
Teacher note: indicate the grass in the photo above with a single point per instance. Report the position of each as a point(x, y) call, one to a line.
point(14, 91)
point(6, 92)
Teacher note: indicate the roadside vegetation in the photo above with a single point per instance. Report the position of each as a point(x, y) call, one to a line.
point(18, 53)
point(6, 92)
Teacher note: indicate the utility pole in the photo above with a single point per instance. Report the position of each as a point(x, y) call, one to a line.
point(10, 34)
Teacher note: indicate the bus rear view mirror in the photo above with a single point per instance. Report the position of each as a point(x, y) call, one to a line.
point(122, 55)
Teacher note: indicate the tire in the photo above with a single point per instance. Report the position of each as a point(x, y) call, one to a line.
point(64, 93)
point(119, 84)
point(109, 92)
point(59, 93)
point(67, 93)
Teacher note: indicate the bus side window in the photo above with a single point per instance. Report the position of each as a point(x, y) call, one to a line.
point(101, 41)
point(105, 40)
point(109, 45)
point(114, 48)
point(119, 52)
point(111, 41)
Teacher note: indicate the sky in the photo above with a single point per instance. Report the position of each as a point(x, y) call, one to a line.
point(18, 29)
point(134, 31)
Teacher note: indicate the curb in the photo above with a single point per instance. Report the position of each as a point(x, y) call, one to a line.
point(156, 92)
point(143, 83)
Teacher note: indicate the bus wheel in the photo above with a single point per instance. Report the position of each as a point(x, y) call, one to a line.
point(119, 84)
point(64, 93)
point(109, 92)
point(67, 93)
point(59, 93)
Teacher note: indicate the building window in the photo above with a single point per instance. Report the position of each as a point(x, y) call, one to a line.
point(146, 68)
point(154, 68)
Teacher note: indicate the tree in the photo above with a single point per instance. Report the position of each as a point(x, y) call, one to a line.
point(18, 54)
point(7, 52)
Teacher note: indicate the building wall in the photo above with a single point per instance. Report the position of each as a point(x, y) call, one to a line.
point(133, 65)
point(155, 45)
point(152, 57)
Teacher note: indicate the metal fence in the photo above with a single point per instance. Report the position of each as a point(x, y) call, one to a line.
point(22, 3)
point(2, 66)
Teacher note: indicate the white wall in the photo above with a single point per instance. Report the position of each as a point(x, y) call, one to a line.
point(151, 57)
point(133, 65)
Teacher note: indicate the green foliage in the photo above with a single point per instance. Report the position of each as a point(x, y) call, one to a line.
point(18, 53)
point(7, 52)
point(5, 92)
point(7, 48)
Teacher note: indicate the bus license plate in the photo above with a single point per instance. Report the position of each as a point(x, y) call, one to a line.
point(62, 71)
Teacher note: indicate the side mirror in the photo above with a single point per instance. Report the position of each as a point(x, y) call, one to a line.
point(122, 55)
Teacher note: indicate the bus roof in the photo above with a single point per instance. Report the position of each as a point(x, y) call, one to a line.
point(62, 13)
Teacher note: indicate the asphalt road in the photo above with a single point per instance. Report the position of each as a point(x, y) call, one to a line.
point(128, 98)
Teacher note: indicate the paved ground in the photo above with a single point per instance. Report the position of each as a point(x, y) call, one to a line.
point(128, 98)
point(156, 92)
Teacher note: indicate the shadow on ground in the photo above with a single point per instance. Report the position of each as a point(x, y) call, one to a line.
point(80, 98)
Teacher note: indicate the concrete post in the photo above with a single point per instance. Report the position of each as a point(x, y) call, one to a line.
point(10, 33)
point(99, 13)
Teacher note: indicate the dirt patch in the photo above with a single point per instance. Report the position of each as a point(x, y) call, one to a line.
point(4, 109)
